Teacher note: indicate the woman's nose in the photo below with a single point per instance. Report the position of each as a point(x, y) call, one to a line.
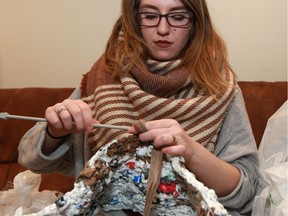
point(163, 28)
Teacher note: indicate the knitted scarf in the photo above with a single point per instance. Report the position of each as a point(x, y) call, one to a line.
point(163, 90)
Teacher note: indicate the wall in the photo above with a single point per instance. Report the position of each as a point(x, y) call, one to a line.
point(256, 35)
point(52, 43)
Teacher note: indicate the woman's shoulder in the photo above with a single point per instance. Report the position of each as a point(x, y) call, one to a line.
point(96, 77)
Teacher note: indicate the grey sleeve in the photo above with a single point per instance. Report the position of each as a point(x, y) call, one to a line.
point(236, 145)
point(68, 159)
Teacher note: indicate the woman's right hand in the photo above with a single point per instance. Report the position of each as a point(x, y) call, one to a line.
point(69, 116)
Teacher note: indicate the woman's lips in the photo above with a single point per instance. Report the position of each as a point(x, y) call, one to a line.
point(163, 44)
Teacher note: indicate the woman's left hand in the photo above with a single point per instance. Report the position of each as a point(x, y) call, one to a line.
point(168, 135)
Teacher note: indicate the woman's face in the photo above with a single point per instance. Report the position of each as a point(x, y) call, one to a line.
point(165, 42)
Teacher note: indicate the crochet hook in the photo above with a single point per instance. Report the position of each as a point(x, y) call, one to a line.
point(5, 116)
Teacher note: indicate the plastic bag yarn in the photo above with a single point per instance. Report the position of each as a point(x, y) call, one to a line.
point(273, 157)
point(115, 178)
point(25, 197)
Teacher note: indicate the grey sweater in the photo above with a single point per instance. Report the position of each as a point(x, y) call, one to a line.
point(235, 145)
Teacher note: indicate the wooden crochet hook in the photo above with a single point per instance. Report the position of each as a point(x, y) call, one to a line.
point(6, 116)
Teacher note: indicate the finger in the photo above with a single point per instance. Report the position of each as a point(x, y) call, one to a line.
point(132, 130)
point(52, 117)
point(138, 127)
point(86, 115)
point(62, 108)
point(81, 115)
point(72, 119)
point(164, 140)
point(64, 114)
point(158, 133)
point(175, 150)
point(162, 123)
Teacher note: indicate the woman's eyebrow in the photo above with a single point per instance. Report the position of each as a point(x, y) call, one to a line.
point(147, 6)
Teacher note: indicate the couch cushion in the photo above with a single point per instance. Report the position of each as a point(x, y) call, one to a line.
point(29, 102)
point(53, 181)
point(57, 182)
point(262, 100)
point(26, 101)
point(4, 170)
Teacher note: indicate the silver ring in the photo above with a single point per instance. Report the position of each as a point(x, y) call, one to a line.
point(60, 110)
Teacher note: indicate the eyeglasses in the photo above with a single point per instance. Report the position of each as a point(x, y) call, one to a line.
point(175, 19)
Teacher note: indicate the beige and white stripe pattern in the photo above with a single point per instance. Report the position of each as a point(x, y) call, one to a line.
point(123, 102)
point(162, 68)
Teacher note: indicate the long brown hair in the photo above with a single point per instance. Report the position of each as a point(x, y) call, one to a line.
point(204, 57)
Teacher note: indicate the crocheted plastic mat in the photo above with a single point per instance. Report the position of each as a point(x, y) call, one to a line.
point(115, 178)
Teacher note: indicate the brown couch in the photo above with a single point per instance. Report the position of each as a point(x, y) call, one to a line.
point(262, 100)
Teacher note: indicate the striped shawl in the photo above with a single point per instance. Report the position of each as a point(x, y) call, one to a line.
point(163, 91)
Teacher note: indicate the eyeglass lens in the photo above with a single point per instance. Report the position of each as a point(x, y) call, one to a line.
point(177, 19)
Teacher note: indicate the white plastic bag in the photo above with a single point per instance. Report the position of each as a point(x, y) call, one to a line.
point(25, 195)
point(273, 155)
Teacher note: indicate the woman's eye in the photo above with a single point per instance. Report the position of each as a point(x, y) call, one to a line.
point(151, 16)
point(178, 17)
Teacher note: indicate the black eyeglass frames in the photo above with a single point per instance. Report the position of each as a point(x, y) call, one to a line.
point(175, 19)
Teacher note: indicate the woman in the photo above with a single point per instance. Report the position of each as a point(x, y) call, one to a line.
point(164, 63)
